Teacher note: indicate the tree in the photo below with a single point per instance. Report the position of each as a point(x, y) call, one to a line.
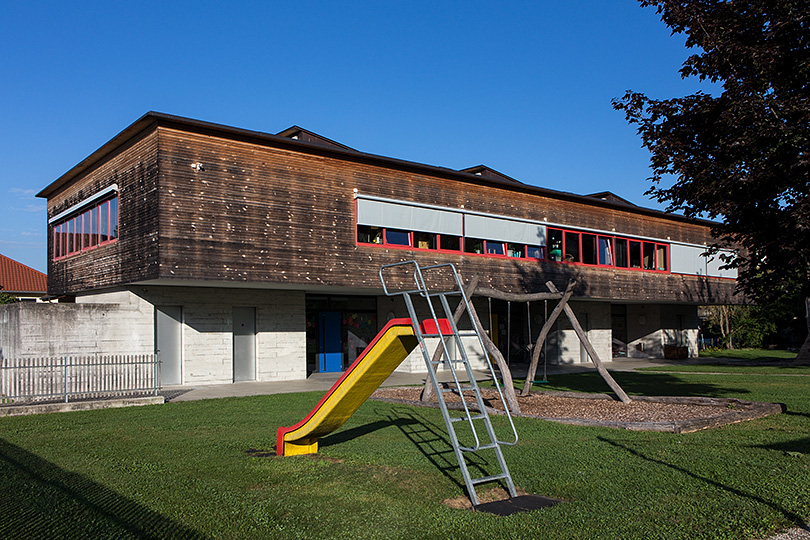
point(6, 298)
point(741, 157)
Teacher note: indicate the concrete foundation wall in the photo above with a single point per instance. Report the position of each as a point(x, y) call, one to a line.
point(123, 322)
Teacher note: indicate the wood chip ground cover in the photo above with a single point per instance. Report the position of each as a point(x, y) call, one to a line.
point(676, 414)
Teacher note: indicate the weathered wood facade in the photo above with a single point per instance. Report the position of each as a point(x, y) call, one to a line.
point(212, 204)
point(205, 205)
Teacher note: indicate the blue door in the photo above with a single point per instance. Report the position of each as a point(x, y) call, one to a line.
point(329, 343)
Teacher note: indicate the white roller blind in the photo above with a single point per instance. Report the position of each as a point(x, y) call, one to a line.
point(407, 217)
point(715, 262)
point(505, 230)
point(687, 260)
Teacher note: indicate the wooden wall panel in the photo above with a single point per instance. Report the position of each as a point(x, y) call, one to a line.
point(134, 256)
point(256, 213)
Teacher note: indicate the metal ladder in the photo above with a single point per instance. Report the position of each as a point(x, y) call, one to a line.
point(475, 419)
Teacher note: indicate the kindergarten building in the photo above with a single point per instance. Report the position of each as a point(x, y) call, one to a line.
point(243, 255)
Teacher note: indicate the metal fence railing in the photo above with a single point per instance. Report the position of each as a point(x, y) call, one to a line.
point(24, 380)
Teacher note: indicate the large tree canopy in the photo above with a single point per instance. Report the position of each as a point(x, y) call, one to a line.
point(740, 155)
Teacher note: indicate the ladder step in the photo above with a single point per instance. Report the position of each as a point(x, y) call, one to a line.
point(488, 478)
point(465, 418)
point(482, 447)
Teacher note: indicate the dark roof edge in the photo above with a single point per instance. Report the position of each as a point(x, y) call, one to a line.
point(152, 119)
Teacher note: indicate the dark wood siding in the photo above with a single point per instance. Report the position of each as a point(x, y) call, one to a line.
point(134, 256)
point(260, 213)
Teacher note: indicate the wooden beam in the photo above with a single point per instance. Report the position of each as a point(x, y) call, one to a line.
point(591, 351)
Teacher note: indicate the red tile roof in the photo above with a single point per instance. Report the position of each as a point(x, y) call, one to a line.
point(15, 277)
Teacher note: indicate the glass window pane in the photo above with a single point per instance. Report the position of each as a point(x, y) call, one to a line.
point(588, 248)
point(635, 254)
point(114, 218)
point(661, 257)
point(495, 248)
point(369, 235)
point(56, 236)
point(572, 247)
point(94, 226)
point(515, 250)
point(104, 214)
point(649, 256)
point(535, 252)
point(423, 240)
point(622, 255)
point(605, 251)
point(555, 244)
point(397, 237)
point(473, 245)
point(450, 242)
point(70, 234)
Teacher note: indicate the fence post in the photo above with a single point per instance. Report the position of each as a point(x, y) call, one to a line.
point(65, 366)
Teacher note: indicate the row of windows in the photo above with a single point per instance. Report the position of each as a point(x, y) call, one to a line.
point(562, 246)
point(95, 226)
point(603, 250)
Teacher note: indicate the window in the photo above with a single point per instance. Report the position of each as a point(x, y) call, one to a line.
point(450, 242)
point(661, 257)
point(423, 240)
point(495, 248)
point(589, 248)
point(515, 250)
point(534, 252)
point(635, 254)
point(571, 246)
point(93, 227)
point(369, 235)
point(397, 237)
point(555, 244)
point(473, 245)
point(648, 250)
point(605, 251)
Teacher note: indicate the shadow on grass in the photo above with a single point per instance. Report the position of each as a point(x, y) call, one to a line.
point(41, 500)
point(794, 518)
point(640, 384)
point(359, 431)
point(796, 447)
point(433, 441)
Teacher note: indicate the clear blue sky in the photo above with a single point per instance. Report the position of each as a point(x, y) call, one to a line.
point(523, 87)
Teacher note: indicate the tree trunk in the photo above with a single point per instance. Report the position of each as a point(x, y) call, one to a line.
point(527, 386)
point(508, 385)
point(427, 391)
point(591, 351)
point(804, 352)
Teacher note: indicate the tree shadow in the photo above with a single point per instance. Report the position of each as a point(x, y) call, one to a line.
point(644, 384)
point(41, 500)
point(794, 518)
point(795, 447)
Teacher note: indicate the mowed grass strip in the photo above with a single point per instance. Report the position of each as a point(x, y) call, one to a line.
point(207, 469)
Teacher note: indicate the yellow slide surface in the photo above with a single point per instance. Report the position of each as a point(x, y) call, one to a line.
point(382, 356)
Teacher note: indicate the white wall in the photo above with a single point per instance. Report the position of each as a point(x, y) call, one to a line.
point(122, 322)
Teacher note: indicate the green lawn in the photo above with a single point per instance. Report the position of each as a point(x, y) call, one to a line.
point(206, 470)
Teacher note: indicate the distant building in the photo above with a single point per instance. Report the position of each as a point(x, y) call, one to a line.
point(21, 281)
point(243, 255)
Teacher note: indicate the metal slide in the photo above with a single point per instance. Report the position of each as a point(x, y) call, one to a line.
point(382, 356)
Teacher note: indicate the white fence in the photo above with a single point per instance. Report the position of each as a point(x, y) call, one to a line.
point(78, 377)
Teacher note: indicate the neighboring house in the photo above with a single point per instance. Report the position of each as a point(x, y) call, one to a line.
point(21, 281)
point(243, 255)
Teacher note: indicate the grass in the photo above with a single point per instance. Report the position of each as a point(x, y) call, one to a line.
point(205, 470)
point(748, 361)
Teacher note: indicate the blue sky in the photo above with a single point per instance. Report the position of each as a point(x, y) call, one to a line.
point(523, 87)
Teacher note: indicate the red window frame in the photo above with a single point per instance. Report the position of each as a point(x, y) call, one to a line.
point(83, 231)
